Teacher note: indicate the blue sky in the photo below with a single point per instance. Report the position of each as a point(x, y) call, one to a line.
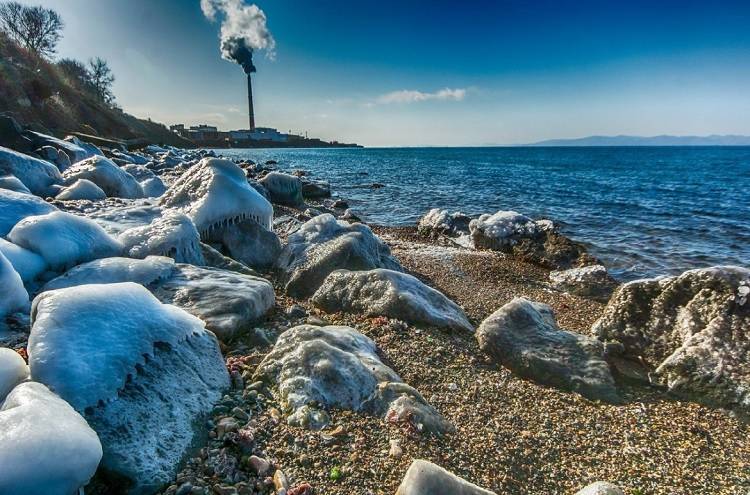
point(392, 73)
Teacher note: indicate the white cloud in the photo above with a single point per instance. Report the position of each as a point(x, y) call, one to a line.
point(413, 96)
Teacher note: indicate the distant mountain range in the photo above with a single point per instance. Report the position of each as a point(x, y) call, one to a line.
point(713, 140)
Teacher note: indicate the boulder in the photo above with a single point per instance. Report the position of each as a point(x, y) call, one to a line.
point(314, 189)
point(28, 264)
point(11, 183)
point(63, 239)
point(249, 243)
point(172, 234)
point(323, 245)
point(37, 175)
point(16, 206)
point(46, 447)
point(426, 478)
point(13, 370)
point(144, 374)
point(693, 330)
point(114, 181)
point(152, 185)
point(441, 222)
point(524, 337)
point(72, 147)
point(13, 295)
point(147, 272)
point(383, 292)
point(601, 488)
point(81, 189)
point(283, 189)
point(591, 281)
point(318, 368)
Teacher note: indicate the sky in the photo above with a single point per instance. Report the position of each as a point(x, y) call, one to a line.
point(411, 73)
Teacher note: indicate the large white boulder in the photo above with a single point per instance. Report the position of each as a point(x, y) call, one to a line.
point(143, 373)
point(283, 188)
point(426, 478)
point(63, 239)
point(114, 181)
point(13, 370)
point(692, 329)
point(323, 245)
point(37, 175)
point(147, 272)
point(13, 295)
point(317, 368)
point(81, 189)
point(383, 292)
point(16, 206)
point(46, 447)
point(28, 264)
point(173, 234)
point(524, 337)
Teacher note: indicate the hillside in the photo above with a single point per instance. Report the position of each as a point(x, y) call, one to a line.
point(713, 140)
point(38, 94)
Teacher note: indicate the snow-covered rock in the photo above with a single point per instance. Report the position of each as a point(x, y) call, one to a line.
point(437, 221)
point(13, 370)
point(11, 183)
point(46, 447)
point(28, 264)
point(523, 336)
point(117, 218)
point(143, 373)
point(692, 329)
point(589, 281)
point(74, 142)
point(226, 301)
point(152, 185)
point(37, 175)
point(114, 181)
point(15, 206)
point(214, 193)
point(503, 229)
point(324, 244)
point(13, 295)
point(426, 478)
point(63, 239)
point(172, 234)
point(81, 189)
point(600, 488)
point(338, 367)
point(383, 292)
point(147, 272)
point(283, 188)
point(71, 147)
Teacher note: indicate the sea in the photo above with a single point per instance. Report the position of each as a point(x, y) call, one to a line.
point(644, 211)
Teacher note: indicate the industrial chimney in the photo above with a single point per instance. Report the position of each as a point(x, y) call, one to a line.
point(250, 110)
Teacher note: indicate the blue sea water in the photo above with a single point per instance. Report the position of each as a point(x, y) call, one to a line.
point(645, 211)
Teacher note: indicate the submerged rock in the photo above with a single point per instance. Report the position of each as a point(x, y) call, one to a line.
point(382, 292)
point(283, 189)
point(426, 478)
point(523, 336)
point(317, 368)
point(325, 244)
point(114, 181)
point(37, 175)
point(442, 222)
point(172, 235)
point(589, 281)
point(63, 239)
point(81, 189)
point(46, 447)
point(143, 373)
point(692, 329)
point(16, 206)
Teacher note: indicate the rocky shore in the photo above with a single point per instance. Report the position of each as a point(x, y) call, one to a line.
point(196, 325)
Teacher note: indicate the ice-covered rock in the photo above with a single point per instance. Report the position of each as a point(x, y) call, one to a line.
point(147, 272)
point(13, 370)
point(383, 292)
point(13, 295)
point(72, 147)
point(172, 234)
point(426, 478)
point(144, 373)
point(46, 447)
point(63, 239)
point(283, 188)
point(325, 244)
point(15, 206)
point(589, 281)
point(214, 193)
point(523, 336)
point(600, 488)
point(436, 222)
point(226, 301)
point(81, 189)
point(503, 229)
point(114, 181)
point(692, 329)
point(338, 367)
point(249, 243)
point(28, 264)
point(37, 175)
point(74, 142)
point(116, 219)
point(11, 183)
point(152, 185)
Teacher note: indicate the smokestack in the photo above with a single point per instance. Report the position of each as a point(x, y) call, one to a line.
point(250, 109)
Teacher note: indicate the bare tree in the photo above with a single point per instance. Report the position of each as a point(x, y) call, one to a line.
point(101, 78)
point(36, 28)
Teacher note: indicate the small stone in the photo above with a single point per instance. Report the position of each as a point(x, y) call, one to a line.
point(185, 489)
point(296, 311)
point(256, 386)
point(225, 490)
point(280, 481)
point(238, 413)
point(259, 465)
point(314, 320)
point(396, 451)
